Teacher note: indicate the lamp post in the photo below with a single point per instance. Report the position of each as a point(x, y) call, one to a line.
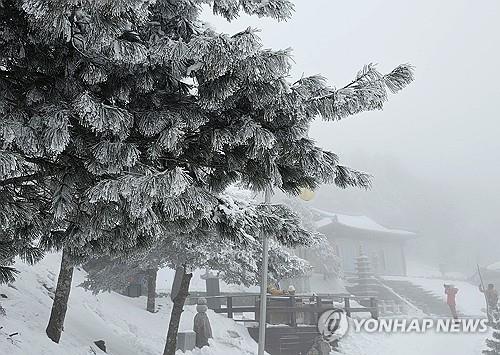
point(263, 284)
point(306, 195)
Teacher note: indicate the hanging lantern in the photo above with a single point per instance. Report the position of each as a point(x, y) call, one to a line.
point(306, 194)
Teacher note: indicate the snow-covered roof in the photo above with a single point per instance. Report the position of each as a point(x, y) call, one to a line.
point(357, 222)
point(494, 266)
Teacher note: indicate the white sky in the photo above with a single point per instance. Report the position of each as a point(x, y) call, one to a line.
point(446, 122)
point(441, 134)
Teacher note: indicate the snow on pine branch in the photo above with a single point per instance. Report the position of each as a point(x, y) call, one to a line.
point(101, 117)
point(113, 157)
point(367, 92)
point(141, 191)
point(60, 19)
point(7, 274)
point(166, 206)
point(399, 78)
point(255, 219)
point(280, 10)
point(235, 263)
point(347, 177)
point(10, 165)
point(238, 261)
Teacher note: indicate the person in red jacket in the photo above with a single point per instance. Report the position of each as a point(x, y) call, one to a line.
point(451, 293)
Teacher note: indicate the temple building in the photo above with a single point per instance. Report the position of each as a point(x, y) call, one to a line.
point(384, 247)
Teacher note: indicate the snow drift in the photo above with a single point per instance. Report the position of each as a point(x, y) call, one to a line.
point(120, 321)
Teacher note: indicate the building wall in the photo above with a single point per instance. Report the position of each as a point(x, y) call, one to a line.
point(386, 250)
point(387, 257)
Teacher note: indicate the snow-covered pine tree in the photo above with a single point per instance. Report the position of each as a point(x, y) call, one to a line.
point(20, 226)
point(238, 257)
point(493, 343)
point(111, 109)
point(322, 254)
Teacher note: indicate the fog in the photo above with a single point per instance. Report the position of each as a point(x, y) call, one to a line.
point(433, 151)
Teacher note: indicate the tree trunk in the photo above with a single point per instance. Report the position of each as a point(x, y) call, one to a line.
point(60, 304)
point(175, 316)
point(151, 289)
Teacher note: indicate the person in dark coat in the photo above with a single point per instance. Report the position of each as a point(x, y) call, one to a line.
point(491, 296)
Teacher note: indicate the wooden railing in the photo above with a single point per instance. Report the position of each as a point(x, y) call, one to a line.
point(292, 307)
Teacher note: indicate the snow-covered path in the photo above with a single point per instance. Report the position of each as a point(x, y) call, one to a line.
point(470, 303)
point(428, 343)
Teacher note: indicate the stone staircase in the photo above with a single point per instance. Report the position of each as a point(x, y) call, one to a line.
point(380, 291)
point(420, 298)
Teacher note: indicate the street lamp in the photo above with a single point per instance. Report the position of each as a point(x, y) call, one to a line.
point(306, 195)
point(263, 284)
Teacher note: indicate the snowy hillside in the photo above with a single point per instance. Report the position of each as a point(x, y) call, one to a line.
point(121, 322)
point(129, 330)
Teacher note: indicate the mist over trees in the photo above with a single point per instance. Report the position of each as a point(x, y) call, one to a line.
point(456, 225)
point(123, 123)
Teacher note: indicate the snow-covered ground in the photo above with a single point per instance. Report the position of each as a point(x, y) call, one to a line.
point(121, 321)
point(428, 343)
point(129, 330)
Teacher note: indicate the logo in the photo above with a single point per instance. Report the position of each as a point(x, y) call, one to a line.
point(333, 324)
point(416, 325)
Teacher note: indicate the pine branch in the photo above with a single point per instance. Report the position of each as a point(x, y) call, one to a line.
point(7, 274)
point(347, 177)
point(108, 137)
point(21, 179)
point(365, 93)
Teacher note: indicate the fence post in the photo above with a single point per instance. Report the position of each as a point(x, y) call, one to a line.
point(257, 309)
point(347, 306)
point(381, 307)
point(293, 315)
point(319, 302)
point(318, 309)
point(229, 305)
point(374, 307)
